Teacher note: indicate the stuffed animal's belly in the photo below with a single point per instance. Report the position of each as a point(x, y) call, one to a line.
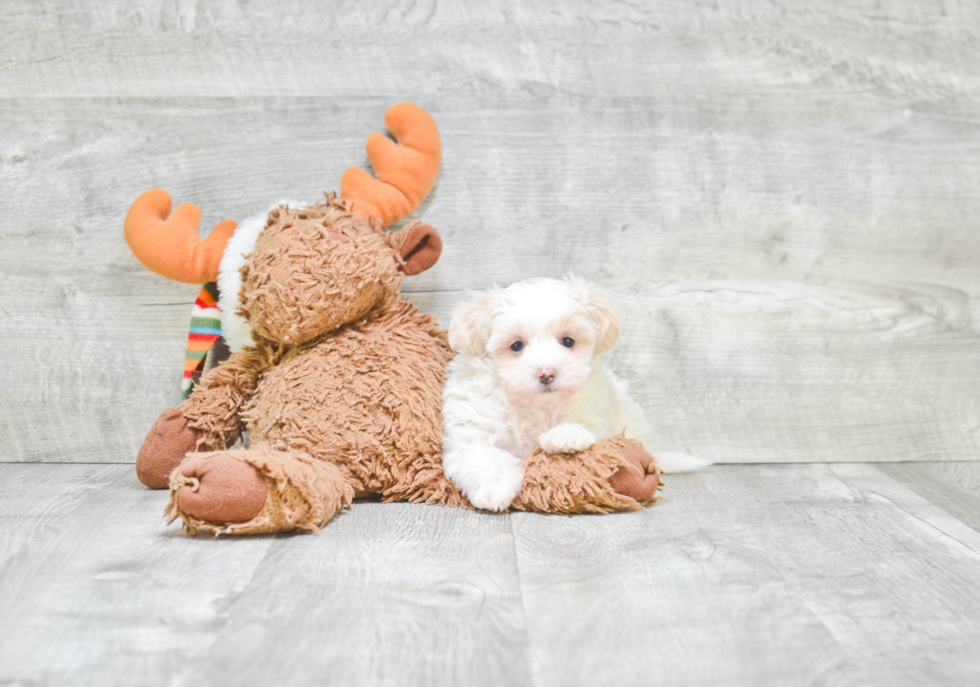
point(368, 404)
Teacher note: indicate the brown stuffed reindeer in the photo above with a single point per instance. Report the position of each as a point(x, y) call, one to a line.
point(340, 386)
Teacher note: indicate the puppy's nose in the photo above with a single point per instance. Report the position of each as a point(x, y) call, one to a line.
point(546, 375)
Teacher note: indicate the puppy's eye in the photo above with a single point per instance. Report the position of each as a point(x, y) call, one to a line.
point(517, 346)
point(568, 342)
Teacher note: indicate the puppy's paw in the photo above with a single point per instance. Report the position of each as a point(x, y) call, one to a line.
point(496, 491)
point(568, 437)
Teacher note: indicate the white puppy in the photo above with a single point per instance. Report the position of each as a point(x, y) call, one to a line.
point(527, 372)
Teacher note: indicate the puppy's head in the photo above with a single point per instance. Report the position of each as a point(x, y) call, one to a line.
point(541, 335)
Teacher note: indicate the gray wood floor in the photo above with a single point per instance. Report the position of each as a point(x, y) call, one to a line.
point(820, 574)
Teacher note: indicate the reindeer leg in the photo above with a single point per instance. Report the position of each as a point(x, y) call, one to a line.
point(256, 490)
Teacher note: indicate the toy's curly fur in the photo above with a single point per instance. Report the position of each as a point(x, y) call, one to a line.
point(580, 483)
point(314, 269)
point(341, 388)
point(361, 396)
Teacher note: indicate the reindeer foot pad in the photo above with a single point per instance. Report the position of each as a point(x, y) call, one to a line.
point(640, 479)
point(170, 439)
point(218, 488)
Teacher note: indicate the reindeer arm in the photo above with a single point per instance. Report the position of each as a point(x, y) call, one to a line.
point(214, 409)
point(209, 420)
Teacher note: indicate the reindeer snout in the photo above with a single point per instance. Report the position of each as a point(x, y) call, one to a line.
point(546, 375)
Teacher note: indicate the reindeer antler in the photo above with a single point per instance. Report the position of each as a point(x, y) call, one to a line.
point(406, 171)
point(171, 246)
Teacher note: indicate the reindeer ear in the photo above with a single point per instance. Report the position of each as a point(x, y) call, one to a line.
point(420, 248)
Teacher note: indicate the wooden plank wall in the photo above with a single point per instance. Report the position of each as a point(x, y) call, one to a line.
point(783, 196)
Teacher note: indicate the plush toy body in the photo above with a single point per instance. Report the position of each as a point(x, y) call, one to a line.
point(340, 386)
point(352, 415)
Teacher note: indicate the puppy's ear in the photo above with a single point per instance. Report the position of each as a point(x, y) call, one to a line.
point(471, 323)
point(601, 311)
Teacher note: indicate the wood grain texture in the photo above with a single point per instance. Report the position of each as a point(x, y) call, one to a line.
point(756, 575)
point(104, 594)
point(612, 49)
point(729, 363)
point(395, 594)
point(743, 575)
point(783, 196)
point(954, 487)
point(34, 500)
point(387, 594)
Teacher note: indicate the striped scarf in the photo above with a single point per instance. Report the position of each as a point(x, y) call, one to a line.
point(205, 330)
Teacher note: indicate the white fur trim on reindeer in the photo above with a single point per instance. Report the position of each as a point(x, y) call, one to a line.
point(234, 328)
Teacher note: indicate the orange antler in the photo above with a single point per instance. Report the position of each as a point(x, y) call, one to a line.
point(406, 171)
point(171, 246)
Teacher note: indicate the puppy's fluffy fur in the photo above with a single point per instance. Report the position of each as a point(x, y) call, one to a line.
point(528, 371)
